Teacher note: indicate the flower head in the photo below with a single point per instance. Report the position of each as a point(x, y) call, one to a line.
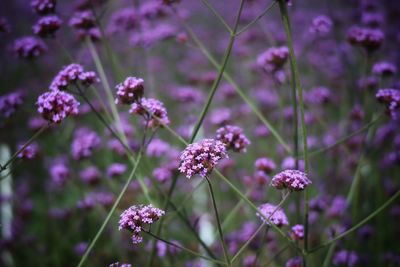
point(297, 232)
point(152, 110)
point(85, 141)
point(29, 152)
point(344, 257)
point(321, 25)
point(47, 26)
point(71, 74)
point(43, 7)
point(294, 262)
point(384, 68)
point(293, 180)
point(391, 98)
point(201, 157)
point(10, 102)
point(29, 47)
point(129, 91)
point(273, 213)
point(266, 165)
point(135, 217)
point(273, 59)
point(233, 137)
point(55, 106)
point(370, 39)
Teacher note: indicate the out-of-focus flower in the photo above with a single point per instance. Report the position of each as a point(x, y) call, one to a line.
point(59, 173)
point(116, 169)
point(43, 7)
point(266, 165)
point(290, 163)
point(4, 25)
point(117, 264)
point(124, 20)
point(321, 25)
point(84, 23)
point(338, 207)
point(152, 35)
point(153, 111)
point(370, 39)
point(129, 91)
point(391, 99)
point(10, 102)
point(297, 232)
point(47, 26)
point(293, 180)
point(233, 137)
point(157, 148)
point(85, 141)
point(153, 9)
point(80, 248)
point(135, 217)
point(201, 157)
point(29, 47)
point(295, 262)
point(220, 116)
point(384, 68)
point(71, 74)
point(318, 95)
point(273, 213)
point(273, 59)
point(345, 258)
point(90, 175)
point(55, 106)
point(30, 152)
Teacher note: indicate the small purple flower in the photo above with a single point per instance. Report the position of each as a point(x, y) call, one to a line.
point(55, 106)
point(266, 165)
point(124, 20)
point(72, 74)
point(157, 148)
point(273, 213)
point(90, 175)
point(295, 262)
point(116, 169)
point(220, 116)
point(59, 173)
point(391, 98)
point(4, 25)
point(338, 207)
point(43, 7)
point(162, 174)
point(85, 141)
point(297, 232)
point(290, 163)
point(10, 102)
point(30, 152)
point(273, 59)
point(233, 137)
point(152, 110)
point(135, 217)
point(80, 248)
point(346, 258)
point(321, 25)
point(47, 26)
point(384, 69)
point(293, 180)
point(83, 20)
point(370, 39)
point(129, 91)
point(117, 264)
point(29, 47)
point(318, 95)
point(201, 157)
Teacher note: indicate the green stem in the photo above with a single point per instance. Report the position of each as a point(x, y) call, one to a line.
point(221, 234)
point(251, 23)
point(220, 18)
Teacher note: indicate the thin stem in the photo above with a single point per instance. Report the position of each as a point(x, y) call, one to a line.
point(220, 18)
point(358, 225)
point(110, 213)
point(22, 148)
point(217, 81)
point(183, 248)
point(299, 89)
point(221, 234)
point(251, 23)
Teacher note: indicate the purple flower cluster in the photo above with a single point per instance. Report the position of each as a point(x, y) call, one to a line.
point(201, 157)
point(345, 258)
point(273, 59)
point(370, 39)
point(129, 91)
point(116, 169)
point(295, 262)
point(266, 165)
point(233, 138)
point(43, 7)
point(29, 47)
point(54, 106)
point(10, 102)
point(47, 26)
point(136, 217)
point(293, 180)
point(71, 74)
point(297, 232)
point(84, 23)
point(117, 264)
point(318, 95)
point(152, 110)
point(90, 175)
point(321, 25)
point(384, 69)
point(391, 99)
point(273, 213)
point(85, 141)
point(59, 173)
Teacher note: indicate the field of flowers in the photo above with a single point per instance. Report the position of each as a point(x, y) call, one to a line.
point(200, 133)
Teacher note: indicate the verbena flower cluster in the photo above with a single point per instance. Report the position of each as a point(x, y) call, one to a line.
point(129, 91)
point(201, 157)
point(153, 111)
point(71, 75)
point(136, 217)
point(233, 137)
point(54, 106)
point(391, 99)
point(293, 180)
point(273, 213)
point(29, 47)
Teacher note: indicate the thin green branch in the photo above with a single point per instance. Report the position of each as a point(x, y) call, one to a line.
point(251, 23)
point(218, 15)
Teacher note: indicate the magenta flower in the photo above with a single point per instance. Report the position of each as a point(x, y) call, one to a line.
point(129, 91)
point(136, 217)
point(29, 47)
point(47, 26)
point(273, 59)
point(201, 157)
point(153, 111)
point(71, 74)
point(297, 232)
point(293, 180)
point(55, 106)
point(233, 137)
point(275, 215)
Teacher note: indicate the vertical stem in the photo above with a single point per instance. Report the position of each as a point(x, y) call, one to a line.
point(299, 89)
point(221, 234)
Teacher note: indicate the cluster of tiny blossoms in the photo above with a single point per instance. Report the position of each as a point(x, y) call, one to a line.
point(129, 91)
point(134, 218)
point(55, 106)
point(71, 74)
point(391, 98)
point(201, 157)
point(293, 180)
point(233, 137)
point(273, 213)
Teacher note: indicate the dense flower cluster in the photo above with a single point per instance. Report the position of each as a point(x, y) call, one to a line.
point(152, 110)
point(85, 141)
point(293, 180)
point(391, 98)
point(47, 26)
point(233, 137)
point(10, 102)
point(297, 232)
point(55, 106)
point(129, 91)
point(201, 157)
point(43, 7)
point(370, 39)
point(84, 23)
point(273, 213)
point(29, 47)
point(321, 25)
point(136, 217)
point(273, 59)
point(72, 74)
point(266, 165)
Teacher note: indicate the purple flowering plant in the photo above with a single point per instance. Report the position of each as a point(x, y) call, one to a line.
point(199, 133)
